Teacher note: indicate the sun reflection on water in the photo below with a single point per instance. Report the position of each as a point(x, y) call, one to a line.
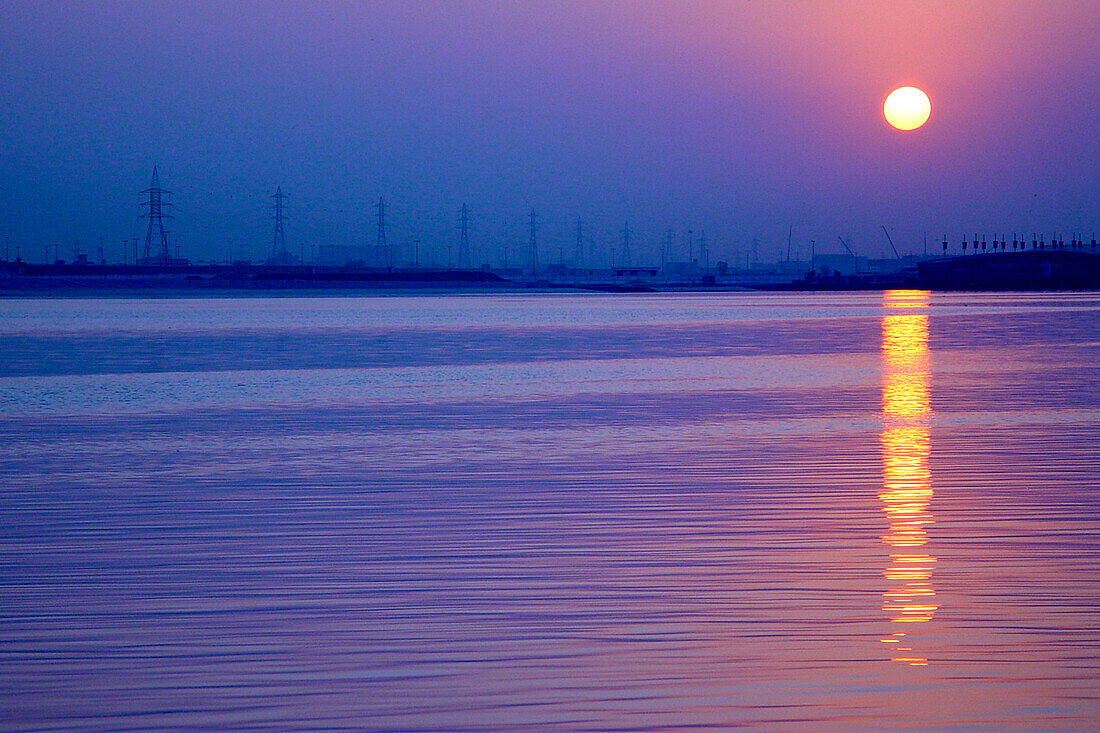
point(906, 479)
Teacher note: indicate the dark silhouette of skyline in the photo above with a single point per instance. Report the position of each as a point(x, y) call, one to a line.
point(737, 119)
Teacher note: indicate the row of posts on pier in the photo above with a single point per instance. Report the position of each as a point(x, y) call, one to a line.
point(1019, 245)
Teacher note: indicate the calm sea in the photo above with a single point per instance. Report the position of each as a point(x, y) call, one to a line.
point(582, 513)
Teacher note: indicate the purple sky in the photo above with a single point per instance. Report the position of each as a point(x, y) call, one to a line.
point(737, 118)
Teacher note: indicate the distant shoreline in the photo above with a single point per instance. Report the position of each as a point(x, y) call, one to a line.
point(309, 290)
point(1049, 270)
point(151, 292)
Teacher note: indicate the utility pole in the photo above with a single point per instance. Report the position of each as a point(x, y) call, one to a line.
point(464, 237)
point(626, 244)
point(703, 251)
point(156, 237)
point(666, 248)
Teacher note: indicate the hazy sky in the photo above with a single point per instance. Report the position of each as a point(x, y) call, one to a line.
point(737, 117)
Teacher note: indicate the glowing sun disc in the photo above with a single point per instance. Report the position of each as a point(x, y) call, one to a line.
point(907, 108)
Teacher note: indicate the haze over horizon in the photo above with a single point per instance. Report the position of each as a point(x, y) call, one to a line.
point(737, 119)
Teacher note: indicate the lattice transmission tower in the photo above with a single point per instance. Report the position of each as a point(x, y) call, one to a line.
point(626, 244)
point(464, 258)
point(534, 241)
point(156, 237)
point(578, 254)
point(278, 244)
point(384, 252)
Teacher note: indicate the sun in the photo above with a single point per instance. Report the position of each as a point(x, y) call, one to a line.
point(907, 108)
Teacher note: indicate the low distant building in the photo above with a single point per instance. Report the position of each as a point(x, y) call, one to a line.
point(841, 264)
point(793, 268)
point(161, 262)
point(1028, 270)
point(285, 259)
point(636, 273)
point(339, 255)
point(682, 271)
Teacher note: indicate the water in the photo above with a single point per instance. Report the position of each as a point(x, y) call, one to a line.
point(587, 513)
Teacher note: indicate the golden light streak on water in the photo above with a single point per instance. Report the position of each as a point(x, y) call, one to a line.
point(906, 480)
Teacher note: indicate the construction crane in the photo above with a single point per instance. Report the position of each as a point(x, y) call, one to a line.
point(891, 241)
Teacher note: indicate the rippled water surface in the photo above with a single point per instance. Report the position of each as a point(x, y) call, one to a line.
point(580, 513)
